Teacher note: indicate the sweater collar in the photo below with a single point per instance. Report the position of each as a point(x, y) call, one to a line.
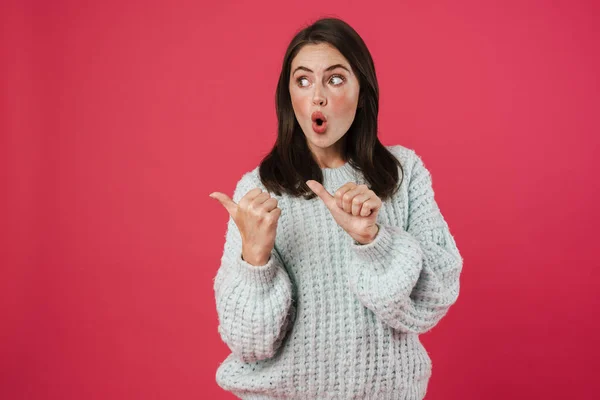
point(336, 177)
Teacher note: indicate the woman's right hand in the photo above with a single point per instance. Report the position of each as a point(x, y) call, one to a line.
point(256, 216)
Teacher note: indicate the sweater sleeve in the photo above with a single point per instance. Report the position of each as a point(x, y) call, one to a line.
point(409, 279)
point(254, 303)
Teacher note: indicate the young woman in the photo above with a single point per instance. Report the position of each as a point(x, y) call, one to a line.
point(336, 254)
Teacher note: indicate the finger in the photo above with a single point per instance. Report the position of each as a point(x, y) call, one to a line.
point(323, 194)
point(270, 204)
point(366, 210)
point(229, 204)
point(250, 196)
point(339, 194)
point(358, 201)
point(369, 206)
point(276, 213)
point(259, 200)
point(348, 197)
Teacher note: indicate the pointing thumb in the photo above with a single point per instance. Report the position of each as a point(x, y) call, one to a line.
point(229, 204)
point(320, 191)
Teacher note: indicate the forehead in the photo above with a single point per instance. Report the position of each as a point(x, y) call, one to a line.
point(318, 57)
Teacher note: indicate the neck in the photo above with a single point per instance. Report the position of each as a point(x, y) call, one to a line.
point(331, 157)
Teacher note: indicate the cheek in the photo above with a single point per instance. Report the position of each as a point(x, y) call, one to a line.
point(345, 103)
point(299, 103)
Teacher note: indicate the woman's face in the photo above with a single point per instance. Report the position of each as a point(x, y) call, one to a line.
point(322, 80)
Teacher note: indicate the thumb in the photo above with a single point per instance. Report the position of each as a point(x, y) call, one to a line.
point(320, 191)
point(229, 204)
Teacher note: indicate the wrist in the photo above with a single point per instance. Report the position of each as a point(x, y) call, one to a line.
point(255, 259)
point(369, 236)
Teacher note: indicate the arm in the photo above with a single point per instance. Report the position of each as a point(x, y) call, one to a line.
point(253, 302)
point(409, 279)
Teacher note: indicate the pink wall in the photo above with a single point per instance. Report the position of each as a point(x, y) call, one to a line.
point(118, 118)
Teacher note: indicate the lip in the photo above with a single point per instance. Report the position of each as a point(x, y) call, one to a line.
point(316, 127)
point(318, 115)
point(319, 128)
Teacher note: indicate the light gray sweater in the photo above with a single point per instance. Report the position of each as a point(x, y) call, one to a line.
point(328, 318)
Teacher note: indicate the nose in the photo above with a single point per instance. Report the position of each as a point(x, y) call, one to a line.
point(319, 96)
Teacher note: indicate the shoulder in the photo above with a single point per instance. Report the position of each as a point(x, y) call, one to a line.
point(411, 161)
point(417, 177)
point(402, 153)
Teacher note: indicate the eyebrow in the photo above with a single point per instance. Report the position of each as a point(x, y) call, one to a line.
point(326, 69)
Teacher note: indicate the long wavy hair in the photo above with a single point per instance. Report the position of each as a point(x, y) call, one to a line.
point(290, 163)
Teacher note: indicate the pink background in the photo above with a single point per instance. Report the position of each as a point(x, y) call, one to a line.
point(118, 118)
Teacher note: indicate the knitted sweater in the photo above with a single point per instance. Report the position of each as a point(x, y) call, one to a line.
point(327, 317)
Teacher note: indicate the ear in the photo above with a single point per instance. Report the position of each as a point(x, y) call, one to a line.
point(360, 101)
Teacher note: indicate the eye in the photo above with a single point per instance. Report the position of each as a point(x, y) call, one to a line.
point(337, 80)
point(340, 78)
point(299, 80)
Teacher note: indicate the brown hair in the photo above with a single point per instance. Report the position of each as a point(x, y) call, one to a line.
point(290, 163)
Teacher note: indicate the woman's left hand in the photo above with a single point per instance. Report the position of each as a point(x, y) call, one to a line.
point(354, 208)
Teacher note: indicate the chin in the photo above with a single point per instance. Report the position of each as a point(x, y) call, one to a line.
point(323, 142)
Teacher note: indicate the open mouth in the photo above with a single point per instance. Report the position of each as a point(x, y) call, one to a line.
point(319, 122)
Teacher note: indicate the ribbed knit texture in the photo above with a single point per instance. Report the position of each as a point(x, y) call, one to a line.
point(327, 318)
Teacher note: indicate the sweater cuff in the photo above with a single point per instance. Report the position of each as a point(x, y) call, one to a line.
point(389, 241)
point(378, 249)
point(261, 274)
